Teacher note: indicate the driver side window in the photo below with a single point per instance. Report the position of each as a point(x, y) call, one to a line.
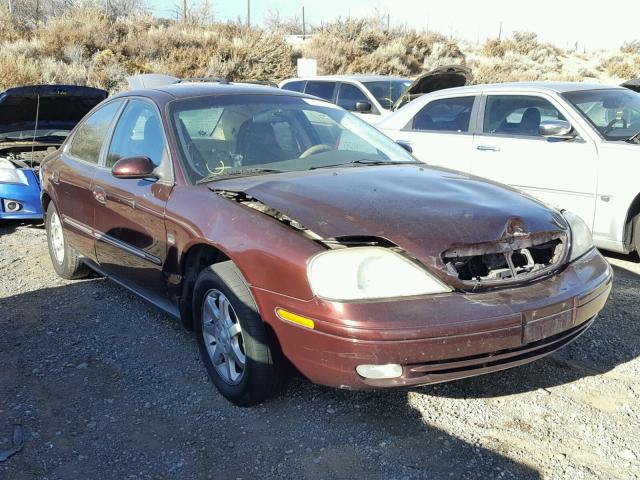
point(138, 133)
point(518, 115)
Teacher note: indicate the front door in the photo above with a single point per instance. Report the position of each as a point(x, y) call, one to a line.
point(129, 221)
point(74, 174)
point(509, 149)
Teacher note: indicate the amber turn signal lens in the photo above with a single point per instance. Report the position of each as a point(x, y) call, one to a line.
point(294, 318)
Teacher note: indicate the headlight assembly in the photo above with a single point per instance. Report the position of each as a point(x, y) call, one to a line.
point(581, 238)
point(10, 174)
point(362, 273)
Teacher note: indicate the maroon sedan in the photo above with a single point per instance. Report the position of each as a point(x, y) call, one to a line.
point(284, 230)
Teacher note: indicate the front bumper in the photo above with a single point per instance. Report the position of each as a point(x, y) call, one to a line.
point(444, 337)
point(28, 196)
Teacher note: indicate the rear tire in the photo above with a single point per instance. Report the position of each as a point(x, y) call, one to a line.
point(66, 262)
point(234, 346)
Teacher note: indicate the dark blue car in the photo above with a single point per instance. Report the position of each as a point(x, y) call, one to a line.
point(34, 121)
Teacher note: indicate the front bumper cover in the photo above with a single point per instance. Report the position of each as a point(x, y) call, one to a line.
point(27, 195)
point(443, 337)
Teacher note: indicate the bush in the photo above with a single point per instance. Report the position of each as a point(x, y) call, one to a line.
point(83, 46)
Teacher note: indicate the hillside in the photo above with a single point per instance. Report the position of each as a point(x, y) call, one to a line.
point(82, 46)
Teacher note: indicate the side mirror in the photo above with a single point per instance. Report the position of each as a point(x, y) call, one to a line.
point(134, 167)
point(557, 129)
point(363, 107)
point(405, 145)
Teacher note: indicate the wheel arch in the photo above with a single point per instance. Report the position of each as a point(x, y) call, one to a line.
point(632, 230)
point(194, 260)
point(45, 200)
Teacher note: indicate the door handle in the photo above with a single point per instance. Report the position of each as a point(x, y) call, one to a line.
point(55, 177)
point(99, 194)
point(487, 148)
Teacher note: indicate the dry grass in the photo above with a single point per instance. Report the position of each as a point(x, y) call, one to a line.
point(82, 46)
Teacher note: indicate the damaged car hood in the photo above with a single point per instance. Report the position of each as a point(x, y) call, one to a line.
point(423, 210)
point(55, 106)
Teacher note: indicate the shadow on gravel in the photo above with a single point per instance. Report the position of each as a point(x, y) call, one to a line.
point(376, 435)
point(9, 226)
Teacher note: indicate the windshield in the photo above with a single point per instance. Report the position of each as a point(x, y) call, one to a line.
point(387, 92)
point(614, 113)
point(231, 135)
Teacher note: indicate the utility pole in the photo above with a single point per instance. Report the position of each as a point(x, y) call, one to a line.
point(11, 7)
point(184, 11)
point(388, 22)
point(500, 31)
point(304, 25)
point(106, 8)
point(248, 13)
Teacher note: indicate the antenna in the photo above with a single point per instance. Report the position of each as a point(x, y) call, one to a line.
point(35, 130)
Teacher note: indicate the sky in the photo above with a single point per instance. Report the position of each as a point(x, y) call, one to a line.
point(562, 22)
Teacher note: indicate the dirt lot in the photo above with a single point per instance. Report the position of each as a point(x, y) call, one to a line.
point(105, 386)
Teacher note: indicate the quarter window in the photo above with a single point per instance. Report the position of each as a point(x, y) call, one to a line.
point(138, 133)
point(517, 114)
point(349, 95)
point(87, 141)
point(446, 115)
point(321, 89)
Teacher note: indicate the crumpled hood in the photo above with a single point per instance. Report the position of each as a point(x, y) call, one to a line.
point(424, 210)
point(57, 106)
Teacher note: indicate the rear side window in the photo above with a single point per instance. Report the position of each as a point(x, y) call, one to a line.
point(138, 133)
point(297, 86)
point(517, 114)
point(349, 95)
point(446, 115)
point(88, 139)
point(321, 89)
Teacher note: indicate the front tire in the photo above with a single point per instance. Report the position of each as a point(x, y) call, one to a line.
point(233, 341)
point(66, 262)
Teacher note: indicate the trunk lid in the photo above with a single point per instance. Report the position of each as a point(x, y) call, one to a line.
point(632, 85)
point(447, 76)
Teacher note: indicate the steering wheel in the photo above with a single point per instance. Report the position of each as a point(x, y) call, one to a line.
point(611, 124)
point(321, 147)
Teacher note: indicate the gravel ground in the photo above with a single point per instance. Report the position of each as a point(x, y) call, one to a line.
point(106, 386)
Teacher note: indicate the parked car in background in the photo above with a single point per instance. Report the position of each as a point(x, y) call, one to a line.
point(34, 121)
point(284, 229)
point(373, 97)
point(573, 145)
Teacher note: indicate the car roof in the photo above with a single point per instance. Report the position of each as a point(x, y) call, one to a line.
point(195, 89)
point(357, 78)
point(541, 86)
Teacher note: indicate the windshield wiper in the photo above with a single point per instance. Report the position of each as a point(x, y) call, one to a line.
point(365, 162)
point(635, 138)
point(248, 172)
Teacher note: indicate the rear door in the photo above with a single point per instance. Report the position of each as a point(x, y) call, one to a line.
point(510, 150)
point(74, 174)
point(129, 219)
point(441, 133)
